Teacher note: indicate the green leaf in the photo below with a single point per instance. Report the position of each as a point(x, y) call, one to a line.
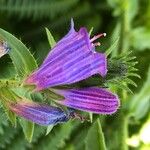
point(11, 116)
point(113, 47)
point(91, 30)
point(51, 40)
point(22, 59)
point(95, 138)
point(91, 117)
point(49, 129)
point(139, 105)
point(141, 38)
point(120, 85)
point(5, 96)
point(129, 81)
point(7, 70)
point(8, 94)
point(28, 129)
point(131, 8)
point(134, 74)
point(56, 140)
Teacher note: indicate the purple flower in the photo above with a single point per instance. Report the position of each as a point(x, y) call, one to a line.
point(4, 48)
point(40, 113)
point(71, 60)
point(93, 99)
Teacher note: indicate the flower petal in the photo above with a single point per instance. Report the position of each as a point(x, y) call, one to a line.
point(4, 48)
point(96, 100)
point(39, 113)
point(71, 60)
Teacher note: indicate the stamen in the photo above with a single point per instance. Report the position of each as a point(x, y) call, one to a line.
point(96, 44)
point(98, 36)
point(78, 117)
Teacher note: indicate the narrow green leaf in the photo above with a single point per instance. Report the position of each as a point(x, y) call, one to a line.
point(23, 60)
point(91, 30)
point(131, 64)
point(134, 74)
point(91, 117)
point(95, 138)
point(11, 116)
point(28, 129)
point(120, 85)
point(125, 56)
point(51, 40)
point(132, 69)
point(112, 47)
point(5, 96)
point(57, 139)
point(49, 129)
point(140, 103)
point(130, 58)
point(8, 94)
point(129, 81)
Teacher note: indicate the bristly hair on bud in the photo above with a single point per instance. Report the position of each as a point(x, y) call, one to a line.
point(4, 48)
point(121, 68)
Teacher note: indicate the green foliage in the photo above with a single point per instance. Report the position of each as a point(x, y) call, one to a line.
point(120, 69)
point(51, 40)
point(95, 138)
point(28, 129)
point(112, 47)
point(141, 38)
point(127, 25)
point(36, 9)
point(6, 132)
point(53, 138)
point(141, 100)
point(22, 59)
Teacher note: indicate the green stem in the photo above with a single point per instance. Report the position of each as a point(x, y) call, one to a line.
point(122, 131)
point(122, 120)
point(125, 29)
point(122, 20)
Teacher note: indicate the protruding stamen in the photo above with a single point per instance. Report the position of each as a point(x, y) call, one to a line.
point(96, 44)
point(98, 36)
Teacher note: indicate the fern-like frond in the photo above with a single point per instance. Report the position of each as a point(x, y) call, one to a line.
point(38, 9)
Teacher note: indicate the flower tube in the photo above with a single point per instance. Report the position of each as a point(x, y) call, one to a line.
point(71, 60)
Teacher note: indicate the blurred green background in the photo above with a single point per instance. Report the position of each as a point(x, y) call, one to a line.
point(128, 20)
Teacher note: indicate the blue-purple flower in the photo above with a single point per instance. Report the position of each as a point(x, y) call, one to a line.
point(40, 113)
point(4, 48)
point(92, 99)
point(71, 60)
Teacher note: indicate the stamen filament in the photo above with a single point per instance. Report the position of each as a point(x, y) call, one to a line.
point(97, 44)
point(98, 36)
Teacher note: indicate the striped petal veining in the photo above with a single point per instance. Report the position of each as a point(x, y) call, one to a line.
point(93, 99)
point(40, 113)
point(71, 60)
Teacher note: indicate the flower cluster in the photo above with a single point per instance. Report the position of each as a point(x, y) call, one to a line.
point(71, 60)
